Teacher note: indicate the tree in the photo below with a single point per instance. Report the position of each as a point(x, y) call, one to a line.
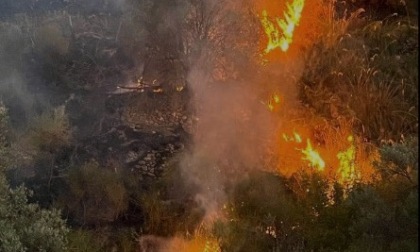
point(25, 226)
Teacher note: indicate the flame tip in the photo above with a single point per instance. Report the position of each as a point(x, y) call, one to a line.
point(282, 35)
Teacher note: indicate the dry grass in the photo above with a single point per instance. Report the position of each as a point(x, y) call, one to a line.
point(367, 74)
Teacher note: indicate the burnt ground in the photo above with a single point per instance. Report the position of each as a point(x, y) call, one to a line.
point(135, 131)
point(125, 111)
point(136, 126)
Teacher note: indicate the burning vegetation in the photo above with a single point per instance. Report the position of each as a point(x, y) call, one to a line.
point(208, 126)
point(280, 31)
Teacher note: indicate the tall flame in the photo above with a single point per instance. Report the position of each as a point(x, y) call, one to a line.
point(281, 35)
point(313, 157)
point(347, 169)
point(309, 153)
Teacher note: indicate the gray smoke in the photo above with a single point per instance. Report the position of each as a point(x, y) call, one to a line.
point(234, 128)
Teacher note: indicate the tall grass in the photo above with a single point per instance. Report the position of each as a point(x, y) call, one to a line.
point(366, 71)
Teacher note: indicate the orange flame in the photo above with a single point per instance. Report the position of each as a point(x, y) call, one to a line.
point(281, 35)
point(199, 243)
point(313, 157)
point(309, 153)
point(333, 152)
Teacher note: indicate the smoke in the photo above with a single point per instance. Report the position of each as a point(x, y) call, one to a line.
point(234, 128)
point(233, 133)
point(230, 87)
point(21, 101)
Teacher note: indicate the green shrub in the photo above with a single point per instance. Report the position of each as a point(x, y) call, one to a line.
point(95, 195)
point(261, 216)
point(167, 206)
point(27, 227)
point(379, 224)
point(399, 161)
point(49, 131)
point(102, 239)
point(82, 241)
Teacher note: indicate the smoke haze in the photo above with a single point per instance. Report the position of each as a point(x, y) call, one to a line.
point(234, 127)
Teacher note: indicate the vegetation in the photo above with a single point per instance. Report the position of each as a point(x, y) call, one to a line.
point(25, 226)
point(266, 211)
point(89, 164)
point(90, 189)
point(382, 81)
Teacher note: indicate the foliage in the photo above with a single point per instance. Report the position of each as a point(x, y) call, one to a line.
point(168, 207)
point(376, 63)
point(379, 8)
point(3, 137)
point(264, 215)
point(400, 160)
point(94, 195)
point(381, 225)
point(25, 226)
point(362, 71)
point(49, 131)
point(81, 240)
point(44, 149)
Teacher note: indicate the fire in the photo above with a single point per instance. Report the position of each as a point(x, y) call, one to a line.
point(280, 32)
point(330, 150)
point(309, 153)
point(313, 157)
point(298, 139)
point(273, 102)
point(347, 166)
point(197, 244)
point(295, 138)
point(270, 106)
point(276, 99)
